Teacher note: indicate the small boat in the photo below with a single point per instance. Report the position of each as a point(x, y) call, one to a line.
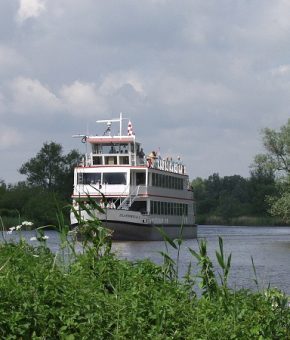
point(137, 192)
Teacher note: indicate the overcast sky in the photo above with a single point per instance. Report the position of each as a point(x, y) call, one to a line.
point(197, 78)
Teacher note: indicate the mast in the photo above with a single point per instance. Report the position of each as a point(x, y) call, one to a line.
point(109, 123)
point(121, 118)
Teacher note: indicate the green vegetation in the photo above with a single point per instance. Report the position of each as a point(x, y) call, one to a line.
point(95, 295)
point(262, 199)
point(277, 160)
point(49, 184)
point(234, 200)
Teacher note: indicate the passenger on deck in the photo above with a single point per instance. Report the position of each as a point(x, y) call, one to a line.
point(111, 205)
point(102, 204)
point(141, 153)
point(112, 150)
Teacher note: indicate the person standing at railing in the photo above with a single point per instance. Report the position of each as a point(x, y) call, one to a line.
point(102, 204)
point(111, 205)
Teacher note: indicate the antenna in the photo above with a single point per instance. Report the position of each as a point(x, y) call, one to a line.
point(83, 137)
point(110, 121)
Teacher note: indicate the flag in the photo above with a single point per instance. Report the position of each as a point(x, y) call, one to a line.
point(130, 129)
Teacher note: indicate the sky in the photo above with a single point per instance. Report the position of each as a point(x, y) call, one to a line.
point(198, 79)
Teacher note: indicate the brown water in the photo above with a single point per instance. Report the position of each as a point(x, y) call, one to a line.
point(269, 247)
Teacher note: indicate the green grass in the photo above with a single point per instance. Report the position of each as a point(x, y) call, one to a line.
point(95, 295)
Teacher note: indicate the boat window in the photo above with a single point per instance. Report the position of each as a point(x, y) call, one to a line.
point(107, 148)
point(111, 160)
point(158, 207)
point(88, 178)
point(140, 178)
point(123, 148)
point(158, 180)
point(162, 212)
point(168, 208)
point(97, 148)
point(165, 181)
point(97, 160)
point(139, 206)
point(124, 159)
point(114, 178)
point(153, 179)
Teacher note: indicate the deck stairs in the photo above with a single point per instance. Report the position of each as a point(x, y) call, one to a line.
point(128, 201)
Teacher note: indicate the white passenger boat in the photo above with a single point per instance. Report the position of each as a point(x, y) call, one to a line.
point(141, 192)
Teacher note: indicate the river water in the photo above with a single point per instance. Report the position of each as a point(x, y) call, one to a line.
point(269, 247)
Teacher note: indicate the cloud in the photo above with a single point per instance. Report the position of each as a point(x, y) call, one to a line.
point(29, 96)
point(115, 81)
point(9, 137)
point(186, 72)
point(177, 90)
point(30, 9)
point(82, 99)
point(281, 70)
point(11, 62)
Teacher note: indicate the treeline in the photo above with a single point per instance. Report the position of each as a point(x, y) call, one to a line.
point(266, 193)
point(234, 199)
point(48, 188)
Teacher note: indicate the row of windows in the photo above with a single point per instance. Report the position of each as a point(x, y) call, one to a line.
point(158, 180)
point(168, 208)
point(108, 178)
point(110, 148)
point(110, 160)
point(165, 181)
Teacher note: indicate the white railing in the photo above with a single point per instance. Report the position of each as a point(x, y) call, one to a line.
point(128, 201)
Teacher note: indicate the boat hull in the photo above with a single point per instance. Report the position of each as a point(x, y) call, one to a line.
point(136, 232)
point(133, 226)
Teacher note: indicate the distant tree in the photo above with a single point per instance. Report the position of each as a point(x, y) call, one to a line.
point(262, 184)
point(50, 169)
point(234, 197)
point(2, 187)
point(277, 146)
point(226, 197)
point(276, 162)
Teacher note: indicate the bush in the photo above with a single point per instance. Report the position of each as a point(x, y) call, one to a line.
point(103, 297)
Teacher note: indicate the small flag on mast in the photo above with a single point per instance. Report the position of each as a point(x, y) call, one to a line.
point(130, 129)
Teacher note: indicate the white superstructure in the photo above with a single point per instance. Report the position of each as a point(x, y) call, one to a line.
point(141, 190)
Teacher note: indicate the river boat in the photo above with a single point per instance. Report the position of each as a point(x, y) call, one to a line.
point(137, 192)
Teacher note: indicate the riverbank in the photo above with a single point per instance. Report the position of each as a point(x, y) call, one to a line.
point(240, 220)
point(8, 222)
point(94, 294)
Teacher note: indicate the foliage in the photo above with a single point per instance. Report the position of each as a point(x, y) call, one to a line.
point(95, 295)
point(280, 206)
point(50, 169)
point(276, 161)
point(277, 145)
point(31, 203)
point(49, 184)
point(224, 199)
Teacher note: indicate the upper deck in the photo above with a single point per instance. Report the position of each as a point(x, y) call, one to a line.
point(124, 150)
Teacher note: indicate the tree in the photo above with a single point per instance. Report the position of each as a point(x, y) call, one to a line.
point(277, 145)
point(226, 197)
point(276, 161)
point(262, 184)
point(50, 169)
